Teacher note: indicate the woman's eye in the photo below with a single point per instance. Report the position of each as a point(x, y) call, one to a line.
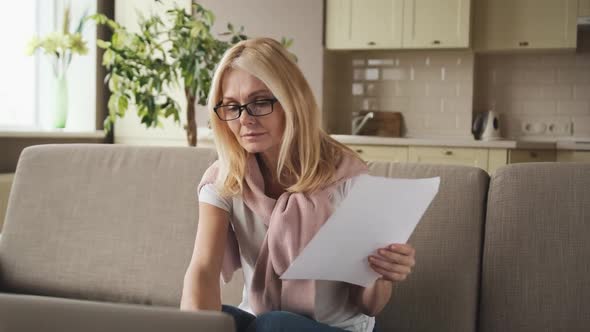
point(261, 102)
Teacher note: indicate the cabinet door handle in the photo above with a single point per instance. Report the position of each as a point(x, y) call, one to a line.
point(448, 153)
point(523, 43)
point(436, 42)
point(358, 150)
point(534, 155)
point(372, 43)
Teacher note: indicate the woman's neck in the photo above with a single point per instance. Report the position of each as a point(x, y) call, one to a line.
point(268, 167)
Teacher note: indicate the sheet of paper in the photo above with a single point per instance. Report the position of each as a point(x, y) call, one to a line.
point(376, 212)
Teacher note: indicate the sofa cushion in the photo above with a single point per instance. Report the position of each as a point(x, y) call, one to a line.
point(102, 222)
point(441, 294)
point(536, 264)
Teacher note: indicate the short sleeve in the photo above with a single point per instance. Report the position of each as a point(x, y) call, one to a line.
point(208, 194)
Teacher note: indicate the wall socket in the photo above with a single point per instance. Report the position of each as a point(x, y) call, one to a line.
point(560, 128)
point(547, 128)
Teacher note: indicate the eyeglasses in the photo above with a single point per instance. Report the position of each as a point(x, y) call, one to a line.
point(260, 107)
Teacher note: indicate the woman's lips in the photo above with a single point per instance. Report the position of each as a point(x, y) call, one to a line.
point(252, 136)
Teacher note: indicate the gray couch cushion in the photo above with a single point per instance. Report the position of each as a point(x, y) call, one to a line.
point(536, 265)
point(442, 292)
point(102, 222)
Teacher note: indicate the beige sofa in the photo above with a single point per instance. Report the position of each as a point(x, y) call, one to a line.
point(117, 224)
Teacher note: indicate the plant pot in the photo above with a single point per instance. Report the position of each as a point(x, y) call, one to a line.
point(60, 111)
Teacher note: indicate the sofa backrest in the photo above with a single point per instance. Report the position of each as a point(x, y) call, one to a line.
point(536, 264)
point(102, 222)
point(441, 294)
point(68, 235)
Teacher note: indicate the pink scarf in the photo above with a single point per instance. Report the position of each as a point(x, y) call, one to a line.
point(292, 221)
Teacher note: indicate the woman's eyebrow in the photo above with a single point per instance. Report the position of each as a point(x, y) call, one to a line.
point(252, 94)
point(258, 92)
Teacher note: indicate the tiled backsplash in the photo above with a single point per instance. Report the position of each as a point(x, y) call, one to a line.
point(540, 95)
point(536, 95)
point(432, 90)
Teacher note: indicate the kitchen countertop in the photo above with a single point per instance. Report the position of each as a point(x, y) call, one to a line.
point(582, 144)
point(447, 142)
point(205, 135)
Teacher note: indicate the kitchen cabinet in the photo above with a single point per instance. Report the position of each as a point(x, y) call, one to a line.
point(455, 156)
point(531, 156)
point(488, 159)
point(525, 24)
point(395, 24)
point(362, 24)
point(436, 23)
point(496, 159)
point(575, 156)
point(381, 153)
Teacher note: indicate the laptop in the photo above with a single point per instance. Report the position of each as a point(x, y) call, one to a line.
point(24, 313)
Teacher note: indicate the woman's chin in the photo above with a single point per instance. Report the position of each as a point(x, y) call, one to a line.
point(255, 147)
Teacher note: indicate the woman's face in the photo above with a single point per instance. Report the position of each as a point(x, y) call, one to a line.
point(256, 134)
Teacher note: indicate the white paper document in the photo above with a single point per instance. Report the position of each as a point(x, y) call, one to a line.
point(375, 213)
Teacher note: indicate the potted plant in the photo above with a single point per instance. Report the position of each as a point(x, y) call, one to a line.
point(61, 46)
point(177, 51)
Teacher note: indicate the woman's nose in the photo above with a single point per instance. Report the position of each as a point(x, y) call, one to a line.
point(246, 118)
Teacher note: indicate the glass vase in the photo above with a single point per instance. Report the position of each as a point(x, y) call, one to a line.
point(60, 112)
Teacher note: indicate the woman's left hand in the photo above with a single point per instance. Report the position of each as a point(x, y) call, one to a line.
point(394, 262)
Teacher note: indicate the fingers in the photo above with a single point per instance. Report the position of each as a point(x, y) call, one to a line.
point(404, 249)
point(388, 275)
point(394, 262)
point(388, 266)
point(397, 255)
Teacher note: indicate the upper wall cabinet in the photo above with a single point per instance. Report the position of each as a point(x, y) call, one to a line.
point(584, 8)
point(524, 24)
point(362, 24)
point(394, 24)
point(436, 23)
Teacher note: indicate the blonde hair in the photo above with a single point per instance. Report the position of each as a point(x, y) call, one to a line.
point(307, 154)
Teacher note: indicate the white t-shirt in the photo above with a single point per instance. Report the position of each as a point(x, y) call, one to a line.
point(332, 304)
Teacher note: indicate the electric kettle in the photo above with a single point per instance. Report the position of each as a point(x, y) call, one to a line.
point(486, 126)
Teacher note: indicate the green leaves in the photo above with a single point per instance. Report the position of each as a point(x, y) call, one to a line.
point(286, 42)
point(178, 49)
point(122, 104)
point(144, 66)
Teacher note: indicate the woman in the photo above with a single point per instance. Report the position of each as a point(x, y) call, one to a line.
point(277, 180)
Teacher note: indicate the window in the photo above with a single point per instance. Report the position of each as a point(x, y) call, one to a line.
point(27, 85)
point(18, 87)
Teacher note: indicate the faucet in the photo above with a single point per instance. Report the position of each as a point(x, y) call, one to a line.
point(359, 121)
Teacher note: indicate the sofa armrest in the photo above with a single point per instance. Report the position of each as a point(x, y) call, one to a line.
point(64, 314)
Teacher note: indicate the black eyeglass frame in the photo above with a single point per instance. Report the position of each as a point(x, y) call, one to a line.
point(243, 107)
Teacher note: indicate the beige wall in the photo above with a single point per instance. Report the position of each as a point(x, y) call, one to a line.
point(300, 20)
point(537, 95)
